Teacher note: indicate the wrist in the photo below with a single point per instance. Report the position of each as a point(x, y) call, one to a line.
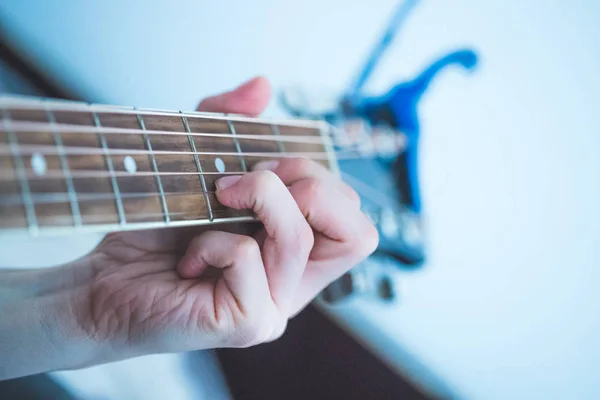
point(39, 330)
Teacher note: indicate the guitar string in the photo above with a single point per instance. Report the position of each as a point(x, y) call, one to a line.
point(380, 198)
point(60, 197)
point(375, 195)
point(82, 174)
point(78, 174)
point(28, 149)
point(348, 153)
point(97, 219)
point(25, 127)
point(100, 173)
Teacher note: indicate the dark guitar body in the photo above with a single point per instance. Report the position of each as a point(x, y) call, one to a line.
point(314, 359)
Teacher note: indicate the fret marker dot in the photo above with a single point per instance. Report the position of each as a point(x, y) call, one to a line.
point(38, 164)
point(130, 165)
point(220, 165)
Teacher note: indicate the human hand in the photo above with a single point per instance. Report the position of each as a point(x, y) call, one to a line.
point(172, 290)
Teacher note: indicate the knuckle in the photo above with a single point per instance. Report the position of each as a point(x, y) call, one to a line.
point(300, 165)
point(195, 244)
point(365, 240)
point(265, 179)
point(196, 249)
point(257, 330)
point(251, 336)
point(313, 188)
point(304, 237)
point(354, 197)
point(307, 193)
point(247, 248)
point(370, 239)
point(278, 331)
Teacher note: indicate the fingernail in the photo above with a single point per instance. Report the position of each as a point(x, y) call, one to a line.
point(227, 181)
point(266, 165)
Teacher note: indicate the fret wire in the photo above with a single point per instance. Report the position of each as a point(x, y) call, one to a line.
point(315, 155)
point(152, 159)
point(237, 145)
point(113, 179)
point(320, 155)
point(28, 204)
point(81, 173)
point(211, 217)
point(138, 215)
point(77, 220)
point(329, 149)
point(276, 132)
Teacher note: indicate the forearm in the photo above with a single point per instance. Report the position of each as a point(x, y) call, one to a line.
point(38, 331)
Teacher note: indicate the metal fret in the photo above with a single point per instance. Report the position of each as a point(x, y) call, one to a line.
point(21, 176)
point(64, 164)
point(163, 198)
point(324, 130)
point(237, 146)
point(199, 168)
point(111, 170)
point(276, 132)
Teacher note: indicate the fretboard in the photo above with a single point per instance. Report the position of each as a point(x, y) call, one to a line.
point(71, 167)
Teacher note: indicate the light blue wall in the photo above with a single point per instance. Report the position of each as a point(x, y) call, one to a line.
point(508, 306)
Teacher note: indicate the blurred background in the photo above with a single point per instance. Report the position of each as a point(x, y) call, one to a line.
point(505, 302)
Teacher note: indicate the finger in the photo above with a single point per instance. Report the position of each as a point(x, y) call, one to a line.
point(345, 236)
point(239, 258)
point(291, 170)
point(289, 238)
point(251, 98)
point(334, 215)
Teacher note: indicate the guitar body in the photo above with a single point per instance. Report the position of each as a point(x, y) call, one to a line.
point(400, 232)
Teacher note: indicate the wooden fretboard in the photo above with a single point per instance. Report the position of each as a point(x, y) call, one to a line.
point(69, 167)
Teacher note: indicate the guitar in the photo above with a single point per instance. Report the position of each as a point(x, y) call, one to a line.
point(68, 168)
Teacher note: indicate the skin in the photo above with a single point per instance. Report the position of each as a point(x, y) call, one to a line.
point(171, 290)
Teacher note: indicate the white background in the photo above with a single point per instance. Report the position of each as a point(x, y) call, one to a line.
point(507, 306)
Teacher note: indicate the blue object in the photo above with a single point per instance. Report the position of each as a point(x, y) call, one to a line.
point(394, 25)
point(398, 108)
point(389, 187)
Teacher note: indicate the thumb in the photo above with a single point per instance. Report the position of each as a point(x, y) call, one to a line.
point(250, 98)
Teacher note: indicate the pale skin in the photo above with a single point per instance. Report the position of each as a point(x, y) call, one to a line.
point(173, 290)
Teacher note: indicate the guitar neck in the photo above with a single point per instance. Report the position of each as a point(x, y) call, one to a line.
point(67, 167)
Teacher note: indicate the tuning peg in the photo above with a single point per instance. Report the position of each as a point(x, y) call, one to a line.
point(387, 141)
point(364, 281)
